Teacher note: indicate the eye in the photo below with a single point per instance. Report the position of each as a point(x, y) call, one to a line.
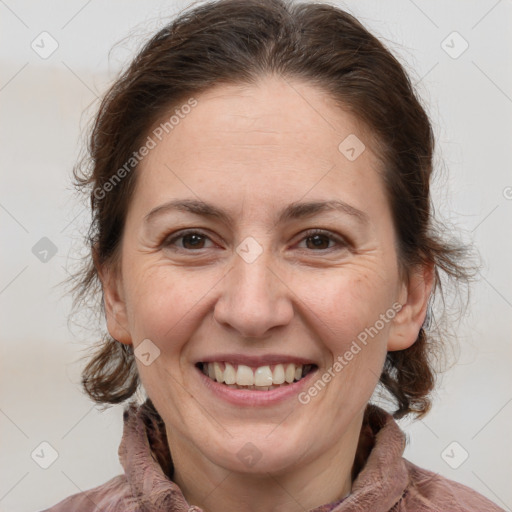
point(319, 240)
point(189, 240)
point(192, 240)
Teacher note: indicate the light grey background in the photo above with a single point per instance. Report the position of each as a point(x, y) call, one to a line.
point(41, 110)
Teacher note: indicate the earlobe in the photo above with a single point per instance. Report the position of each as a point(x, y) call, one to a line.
point(115, 306)
point(414, 299)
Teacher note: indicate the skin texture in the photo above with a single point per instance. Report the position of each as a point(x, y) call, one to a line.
point(253, 150)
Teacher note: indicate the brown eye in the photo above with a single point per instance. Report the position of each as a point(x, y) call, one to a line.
point(193, 241)
point(318, 242)
point(186, 241)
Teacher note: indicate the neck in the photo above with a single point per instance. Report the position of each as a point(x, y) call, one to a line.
point(324, 479)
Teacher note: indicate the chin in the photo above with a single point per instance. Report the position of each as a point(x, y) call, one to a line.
point(252, 451)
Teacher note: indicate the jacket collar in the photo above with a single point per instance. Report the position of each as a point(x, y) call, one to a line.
point(380, 473)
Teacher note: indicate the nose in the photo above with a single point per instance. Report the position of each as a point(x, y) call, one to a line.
point(253, 298)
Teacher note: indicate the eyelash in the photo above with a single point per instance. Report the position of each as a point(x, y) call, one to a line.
point(170, 239)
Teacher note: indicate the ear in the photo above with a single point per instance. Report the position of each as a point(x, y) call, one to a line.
point(115, 306)
point(414, 297)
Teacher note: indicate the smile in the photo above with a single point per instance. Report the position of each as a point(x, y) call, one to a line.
point(262, 378)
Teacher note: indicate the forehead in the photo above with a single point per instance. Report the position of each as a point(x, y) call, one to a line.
point(273, 142)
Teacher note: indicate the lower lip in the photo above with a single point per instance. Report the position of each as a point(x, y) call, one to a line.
point(251, 397)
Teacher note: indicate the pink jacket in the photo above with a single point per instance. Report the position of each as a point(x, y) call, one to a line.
point(385, 482)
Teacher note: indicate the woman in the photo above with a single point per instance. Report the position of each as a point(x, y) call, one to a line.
point(264, 242)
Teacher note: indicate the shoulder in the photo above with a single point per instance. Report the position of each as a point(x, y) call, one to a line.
point(106, 497)
point(429, 491)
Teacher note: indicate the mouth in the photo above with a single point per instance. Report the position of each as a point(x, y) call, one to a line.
point(261, 378)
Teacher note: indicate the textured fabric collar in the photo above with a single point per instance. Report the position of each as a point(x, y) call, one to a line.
point(380, 472)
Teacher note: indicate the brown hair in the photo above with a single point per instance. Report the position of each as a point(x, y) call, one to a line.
point(239, 41)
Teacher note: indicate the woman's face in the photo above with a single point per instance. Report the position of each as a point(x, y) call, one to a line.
point(240, 278)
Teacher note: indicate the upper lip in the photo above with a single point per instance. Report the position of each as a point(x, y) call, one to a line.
point(256, 361)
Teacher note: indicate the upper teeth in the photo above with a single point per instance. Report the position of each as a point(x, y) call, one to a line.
point(243, 375)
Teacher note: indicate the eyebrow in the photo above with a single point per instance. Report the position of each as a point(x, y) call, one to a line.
point(296, 210)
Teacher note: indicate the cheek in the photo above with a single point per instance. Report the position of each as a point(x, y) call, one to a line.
point(163, 303)
point(344, 307)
